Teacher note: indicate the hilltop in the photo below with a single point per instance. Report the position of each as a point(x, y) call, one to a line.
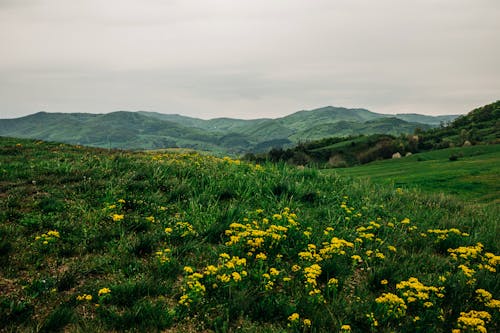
point(151, 130)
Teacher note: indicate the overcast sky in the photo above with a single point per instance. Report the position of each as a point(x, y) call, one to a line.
point(248, 58)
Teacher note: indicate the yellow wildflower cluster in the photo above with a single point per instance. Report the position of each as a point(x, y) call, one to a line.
point(335, 246)
point(194, 159)
point(164, 255)
point(49, 237)
point(311, 274)
point(472, 259)
point(184, 229)
point(294, 319)
point(443, 234)
point(84, 297)
point(413, 291)
point(193, 289)
point(229, 268)
point(261, 234)
point(473, 321)
point(117, 217)
point(103, 291)
point(487, 299)
point(394, 306)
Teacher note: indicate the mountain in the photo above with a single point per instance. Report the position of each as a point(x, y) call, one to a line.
point(424, 119)
point(152, 130)
point(480, 126)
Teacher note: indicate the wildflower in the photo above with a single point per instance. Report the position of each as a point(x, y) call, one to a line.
point(210, 269)
point(188, 269)
point(405, 221)
point(168, 231)
point(384, 282)
point(104, 291)
point(224, 278)
point(345, 328)
point(184, 300)
point(391, 248)
point(261, 256)
point(333, 282)
point(117, 217)
point(294, 317)
point(84, 297)
point(274, 271)
point(395, 305)
point(236, 276)
point(307, 322)
point(356, 258)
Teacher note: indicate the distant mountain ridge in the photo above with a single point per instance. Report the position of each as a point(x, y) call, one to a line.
point(152, 130)
point(481, 126)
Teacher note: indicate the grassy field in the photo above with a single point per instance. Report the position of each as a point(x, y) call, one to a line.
point(473, 176)
point(94, 240)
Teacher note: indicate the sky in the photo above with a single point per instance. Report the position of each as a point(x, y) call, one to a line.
point(248, 58)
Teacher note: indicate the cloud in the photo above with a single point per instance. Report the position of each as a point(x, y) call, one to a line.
point(248, 59)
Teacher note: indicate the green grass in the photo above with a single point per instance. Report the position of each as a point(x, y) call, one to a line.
point(474, 176)
point(97, 240)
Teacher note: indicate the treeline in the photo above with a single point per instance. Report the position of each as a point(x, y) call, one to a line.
point(480, 126)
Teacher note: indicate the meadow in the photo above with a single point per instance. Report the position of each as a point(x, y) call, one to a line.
point(469, 173)
point(95, 240)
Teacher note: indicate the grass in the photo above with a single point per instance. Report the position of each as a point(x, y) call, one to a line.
point(97, 240)
point(473, 176)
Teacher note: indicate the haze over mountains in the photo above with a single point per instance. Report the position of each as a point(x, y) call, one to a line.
point(151, 130)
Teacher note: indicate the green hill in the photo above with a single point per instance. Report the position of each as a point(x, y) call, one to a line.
point(150, 130)
point(346, 148)
point(471, 173)
point(95, 240)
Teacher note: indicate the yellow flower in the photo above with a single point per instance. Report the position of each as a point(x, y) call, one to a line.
point(345, 328)
point(104, 291)
point(384, 282)
point(188, 269)
point(261, 256)
point(236, 276)
point(117, 217)
point(294, 317)
point(307, 322)
point(356, 257)
point(168, 230)
point(333, 281)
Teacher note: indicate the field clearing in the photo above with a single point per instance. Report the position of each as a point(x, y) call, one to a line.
point(474, 176)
